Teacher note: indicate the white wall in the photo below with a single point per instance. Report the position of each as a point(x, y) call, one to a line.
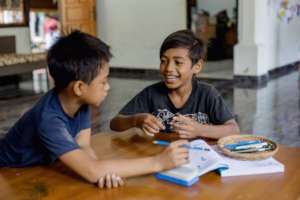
point(248, 53)
point(215, 6)
point(265, 43)
point(135, 29)
point(22, 38)
point(266, 35)
point(289, 42)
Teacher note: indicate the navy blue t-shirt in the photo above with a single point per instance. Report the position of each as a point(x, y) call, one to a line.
point(204, 105)
point(43, 134)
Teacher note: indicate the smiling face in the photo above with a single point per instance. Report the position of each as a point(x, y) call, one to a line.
point(176, 68)
point(98, 88)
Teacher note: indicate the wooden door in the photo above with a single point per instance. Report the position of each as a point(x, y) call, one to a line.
point(78, 14)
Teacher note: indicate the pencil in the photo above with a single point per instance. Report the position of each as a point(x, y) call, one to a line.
point(183, 146)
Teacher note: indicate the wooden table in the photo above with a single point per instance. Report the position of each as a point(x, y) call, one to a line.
point(55, 181)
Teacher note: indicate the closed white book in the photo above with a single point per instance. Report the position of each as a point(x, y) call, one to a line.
point(249, 167)
point(182, 175)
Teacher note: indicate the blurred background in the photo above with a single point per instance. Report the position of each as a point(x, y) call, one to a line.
point(252, 58)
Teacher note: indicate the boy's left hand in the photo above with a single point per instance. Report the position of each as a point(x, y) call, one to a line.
point(187, 127)
point(110, 181)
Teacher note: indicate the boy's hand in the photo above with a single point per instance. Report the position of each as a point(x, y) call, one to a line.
point(149, 124)
point(187, 127)
point(110, 181)
point(173, 156)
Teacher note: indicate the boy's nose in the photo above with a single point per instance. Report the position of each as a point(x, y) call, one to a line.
point(107, 87)
point(170, 66)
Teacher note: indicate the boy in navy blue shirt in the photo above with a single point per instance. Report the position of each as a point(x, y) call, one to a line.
point(58, 126)
point(179, 103)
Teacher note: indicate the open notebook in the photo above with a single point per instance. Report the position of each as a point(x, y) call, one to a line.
point(202, 162)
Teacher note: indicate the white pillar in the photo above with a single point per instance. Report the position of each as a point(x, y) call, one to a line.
point(255, 52)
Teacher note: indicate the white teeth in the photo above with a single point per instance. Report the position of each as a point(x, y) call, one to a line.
point(171, 77)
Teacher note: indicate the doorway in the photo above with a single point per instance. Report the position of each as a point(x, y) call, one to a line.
point(215, 23)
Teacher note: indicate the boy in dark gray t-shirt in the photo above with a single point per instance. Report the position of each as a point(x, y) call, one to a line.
point(179, 103)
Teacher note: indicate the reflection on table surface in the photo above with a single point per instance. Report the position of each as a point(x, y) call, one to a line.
point(55, 181)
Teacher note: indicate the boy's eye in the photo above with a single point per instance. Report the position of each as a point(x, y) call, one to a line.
point(163, 61)
point(178, 63)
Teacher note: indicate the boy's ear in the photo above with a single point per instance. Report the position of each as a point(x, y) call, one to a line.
point(78, 87)
point(198, 66)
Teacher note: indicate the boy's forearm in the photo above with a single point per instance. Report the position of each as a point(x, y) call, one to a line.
point(218, 131)
point(130, 167)
point(92, 169)
point(123, 122)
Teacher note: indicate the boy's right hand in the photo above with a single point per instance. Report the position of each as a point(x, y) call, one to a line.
point(149, 124)
point(173, 156)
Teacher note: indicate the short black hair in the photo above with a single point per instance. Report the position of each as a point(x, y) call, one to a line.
point(185, 39)
point(77, 56)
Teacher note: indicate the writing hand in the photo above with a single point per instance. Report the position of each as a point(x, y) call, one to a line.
point(174, 155)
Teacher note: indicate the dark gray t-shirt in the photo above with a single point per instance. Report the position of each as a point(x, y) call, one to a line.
point(204, 105)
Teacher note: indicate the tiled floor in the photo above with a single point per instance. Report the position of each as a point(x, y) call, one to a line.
point(222, 69)
point(272, 111)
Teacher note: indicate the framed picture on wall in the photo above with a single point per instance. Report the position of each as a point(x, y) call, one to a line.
point(13, 13)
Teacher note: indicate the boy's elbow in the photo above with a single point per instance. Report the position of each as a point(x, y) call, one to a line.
point(89, 168)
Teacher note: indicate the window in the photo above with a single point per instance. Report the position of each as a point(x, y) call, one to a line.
point(13, 13)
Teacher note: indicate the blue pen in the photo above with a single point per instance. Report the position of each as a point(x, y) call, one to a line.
point(241, 143)
point(184, 146)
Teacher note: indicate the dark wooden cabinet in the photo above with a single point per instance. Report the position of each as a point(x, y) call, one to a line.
point(44, 4)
